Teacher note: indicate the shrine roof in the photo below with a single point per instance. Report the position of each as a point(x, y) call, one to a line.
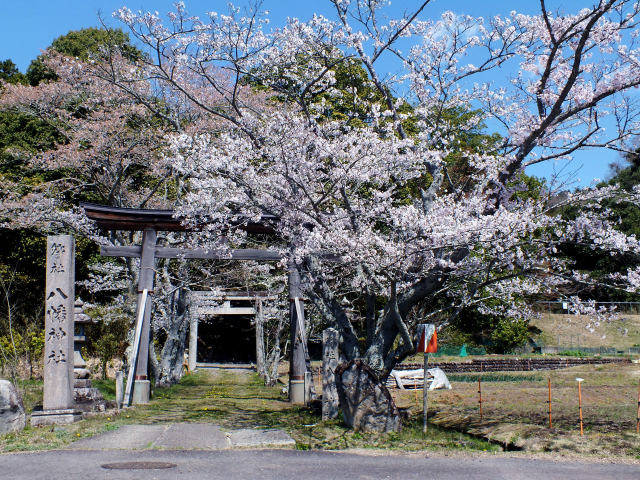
point(133, 219)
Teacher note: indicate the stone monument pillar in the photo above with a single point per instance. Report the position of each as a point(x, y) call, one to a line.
point(58, 399)
point(330, 355)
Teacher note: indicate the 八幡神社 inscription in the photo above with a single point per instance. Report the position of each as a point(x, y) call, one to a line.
point(58, 385)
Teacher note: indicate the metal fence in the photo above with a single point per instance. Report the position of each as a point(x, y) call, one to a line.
point(560, 306)
point(591, 350)
point(574, 343)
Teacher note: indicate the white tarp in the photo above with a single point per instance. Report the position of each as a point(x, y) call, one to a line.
point(435, 376)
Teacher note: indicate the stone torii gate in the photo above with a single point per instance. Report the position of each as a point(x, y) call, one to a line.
point(150, 222)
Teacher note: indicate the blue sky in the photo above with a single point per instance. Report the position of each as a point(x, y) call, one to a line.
point(28, 26)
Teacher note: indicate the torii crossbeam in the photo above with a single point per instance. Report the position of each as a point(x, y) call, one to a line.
point(150, 222)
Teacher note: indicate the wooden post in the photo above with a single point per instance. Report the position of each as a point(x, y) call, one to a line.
point(480, 395)
point(142, 386)
point(119, 389)
point(579, 380)
point(550, 423)
point(425, 400)
point(297, 362)
point(129, 389)
point(638, 413)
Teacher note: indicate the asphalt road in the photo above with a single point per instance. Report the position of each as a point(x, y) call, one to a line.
point(298, 465)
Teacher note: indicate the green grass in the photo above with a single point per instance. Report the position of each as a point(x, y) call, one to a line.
point(240, 400)
point(569, 331)
point(513, 403)
point(573, 353)
point(31, 392)
point(107, 388)
point(515, 407)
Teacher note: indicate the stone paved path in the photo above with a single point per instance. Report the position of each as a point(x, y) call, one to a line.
point(184, 436)
point(189, 436)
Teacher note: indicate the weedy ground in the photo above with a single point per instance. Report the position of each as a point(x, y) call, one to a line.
point(235, 399)
point(515, 413)
point(515, 409)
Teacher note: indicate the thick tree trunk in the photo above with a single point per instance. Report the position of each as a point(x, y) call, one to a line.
point(271, 366)
point(268, 344)
point(371, 317)
point(172, 355)
point(260, 355)
point(382, 352)
point(361, 390)
point(381, 356)
point(274, 361)
point(365, 401)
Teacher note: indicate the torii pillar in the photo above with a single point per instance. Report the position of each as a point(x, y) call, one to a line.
point(298, 361)
point(142, 385)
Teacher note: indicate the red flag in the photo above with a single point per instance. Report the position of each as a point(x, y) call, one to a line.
point(433, 344)
point(422, 343)
point(430, 344)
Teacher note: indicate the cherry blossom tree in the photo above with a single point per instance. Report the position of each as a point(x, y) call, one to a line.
point(111, 155)
point(384, 234)
point(109, 139)
point(372, 213)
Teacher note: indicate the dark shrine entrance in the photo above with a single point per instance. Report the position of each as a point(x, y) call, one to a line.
point(223, 325)
point(226, 340)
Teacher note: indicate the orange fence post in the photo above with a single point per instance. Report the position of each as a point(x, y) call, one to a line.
point(579, 380)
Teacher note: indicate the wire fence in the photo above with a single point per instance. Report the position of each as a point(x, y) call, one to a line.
point(560, 307)
point(573, 342)
point(598, 399)
point(578, 350)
